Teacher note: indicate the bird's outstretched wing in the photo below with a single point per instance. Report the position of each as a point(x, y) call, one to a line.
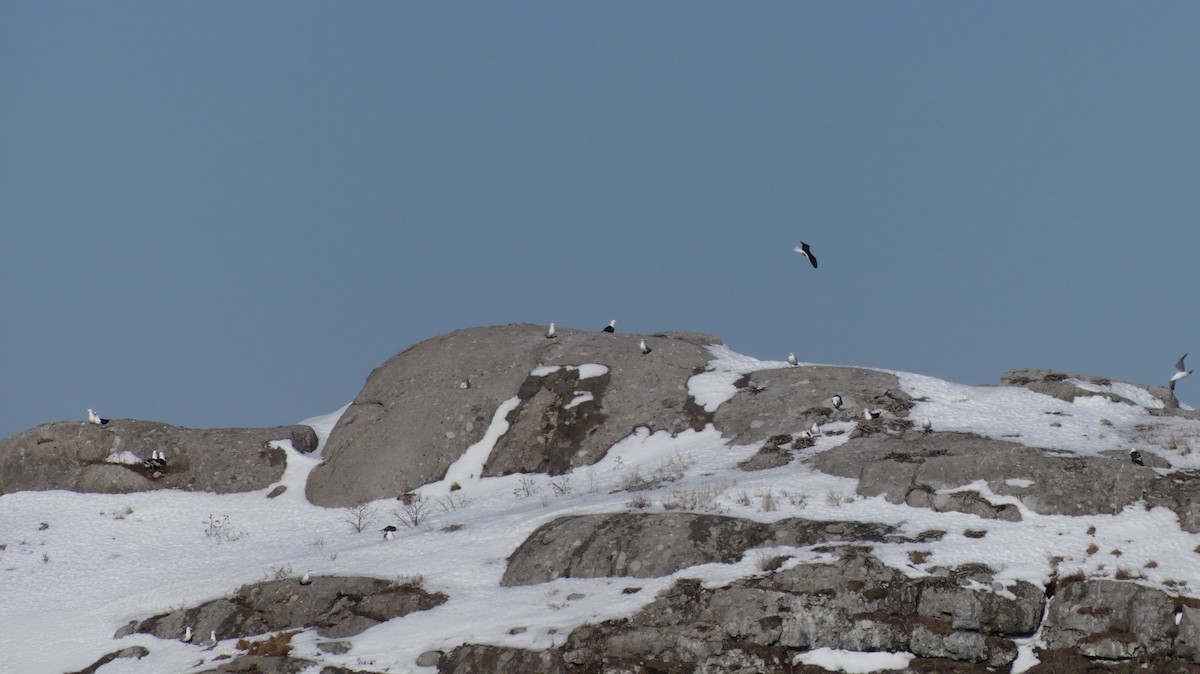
point(804, 250)
point(1179, 363)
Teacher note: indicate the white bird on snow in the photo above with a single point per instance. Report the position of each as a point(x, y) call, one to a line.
point(211, 642)
point(816, 430)
point(926, 425)
point(1180, 372)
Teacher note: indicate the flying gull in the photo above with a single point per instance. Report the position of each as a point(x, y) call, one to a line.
point(804, 250)
point(1180, 372)
point(551, 333)
point(792, 360)
point(612, 326)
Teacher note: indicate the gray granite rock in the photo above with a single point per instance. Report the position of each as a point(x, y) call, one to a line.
point(411, 420)
point(75, 455)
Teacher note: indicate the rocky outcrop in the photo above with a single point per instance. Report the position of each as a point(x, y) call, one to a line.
point(648, 545)
point(412, 418)
point(337, 606)
point(759, 624)
point(1065, 386)
point(84, 457)
point(784, 400)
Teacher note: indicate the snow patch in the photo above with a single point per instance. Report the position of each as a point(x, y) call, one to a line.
point(853, 662)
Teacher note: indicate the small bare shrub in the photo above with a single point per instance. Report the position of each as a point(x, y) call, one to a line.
point(359, 517)
point(280, 572)
point(1151, 564)
point(414, 513)
point(453, 502)
point(561, 486)
point(743, 499)
point(1091, 531)
point(638, 502)
point(768, 500)
point(219, 529)
point(837, 499)
point(527, 487)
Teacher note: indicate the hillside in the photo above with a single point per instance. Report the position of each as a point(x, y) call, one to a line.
point(576, 505)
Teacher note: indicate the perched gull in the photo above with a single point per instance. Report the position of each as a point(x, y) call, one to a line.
point(465, 383)
point(612, 326)
point(870, 414)
point(211, 642)
point(815, 430)
point(837, 401)
point(389, 532)
point(187, 634)
point(1180, 372)
point(926, 425)
point(551, 333)
point(1136, 457)
point(792, 360)
point(804, 250)
point(157, 461)
point(305, 580)
point(95, 418)
point(643, 347)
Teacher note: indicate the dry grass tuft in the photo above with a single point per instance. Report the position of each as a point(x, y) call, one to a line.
point(278, 645)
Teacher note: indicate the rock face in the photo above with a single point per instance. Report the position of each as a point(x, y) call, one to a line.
point(759, 624)
point(337, 606)
point(648, 545)
point(771, 402)
point(412, 419)
point(84, 457)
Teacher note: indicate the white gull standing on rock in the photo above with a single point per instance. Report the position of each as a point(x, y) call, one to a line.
point(551, 333)
point(96, 418)
point(612, 326)
point(643, 347)
point(792, 360)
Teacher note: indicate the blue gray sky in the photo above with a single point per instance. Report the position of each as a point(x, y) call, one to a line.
point(227, 214)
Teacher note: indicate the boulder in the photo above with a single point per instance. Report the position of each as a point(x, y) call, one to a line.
point(84, 457)
point(918, 469)
point(641, 545)
point(789, 399)
point(412, 419)
point(338, 606)
point(1110, 620)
